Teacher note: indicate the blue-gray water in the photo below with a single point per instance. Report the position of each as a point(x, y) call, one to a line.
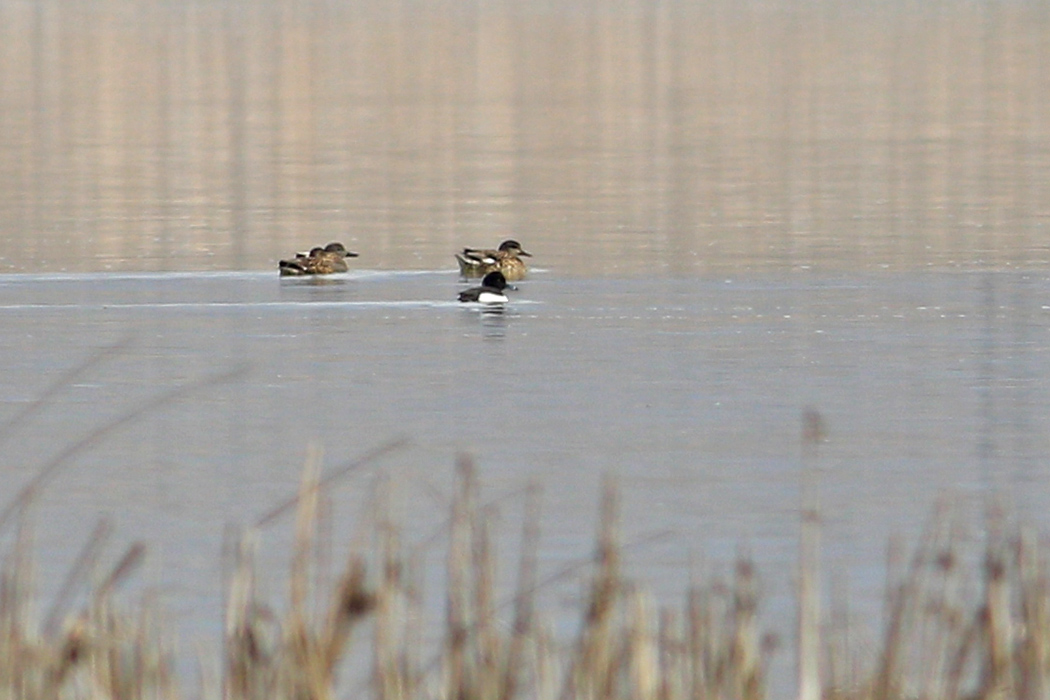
point(688, 390)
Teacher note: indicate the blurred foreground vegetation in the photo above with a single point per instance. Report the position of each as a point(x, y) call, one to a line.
point(943, 636)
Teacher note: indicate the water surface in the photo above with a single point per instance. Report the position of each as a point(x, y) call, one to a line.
point(737, 210)
point(689, 391)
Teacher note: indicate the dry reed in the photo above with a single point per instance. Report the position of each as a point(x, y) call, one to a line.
point(952, 630)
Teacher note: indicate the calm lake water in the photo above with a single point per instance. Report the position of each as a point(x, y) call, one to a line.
point(688, 390)
point(736, 211)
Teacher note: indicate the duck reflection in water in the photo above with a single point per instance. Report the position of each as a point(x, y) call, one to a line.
point(494, 322)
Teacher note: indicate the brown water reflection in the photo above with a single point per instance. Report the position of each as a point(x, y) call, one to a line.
point(623, 139)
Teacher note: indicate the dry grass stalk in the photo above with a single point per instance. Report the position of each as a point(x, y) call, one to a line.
point(1033, 649)
point(459, 594)
point(997, 676)
point(524, 599)
point(944, 638)
point(97, 651)
point(248, 658)
point(747, 652)
point(641, 655)
point(810, 685)
point(591, 672)
point(481, 661)
point(302, 663)
point(396, 673)
point(671, 671)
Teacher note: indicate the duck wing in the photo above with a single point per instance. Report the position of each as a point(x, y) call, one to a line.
point(478, 256)
point(294, 267)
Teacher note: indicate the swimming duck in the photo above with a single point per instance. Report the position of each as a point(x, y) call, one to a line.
point(475, 262)
point(319, 261)
point(490, 291)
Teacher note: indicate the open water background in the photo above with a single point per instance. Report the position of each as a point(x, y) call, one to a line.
point(736, 211)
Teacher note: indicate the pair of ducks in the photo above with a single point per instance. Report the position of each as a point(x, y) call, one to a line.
point(495, 267)
point(319, 261)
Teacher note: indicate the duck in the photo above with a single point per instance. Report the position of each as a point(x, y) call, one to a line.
point(319, 261)
point(490, 291)
point(476, 262)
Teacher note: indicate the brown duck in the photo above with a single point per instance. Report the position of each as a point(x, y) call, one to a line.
point(319, 261)
point(476, 262)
